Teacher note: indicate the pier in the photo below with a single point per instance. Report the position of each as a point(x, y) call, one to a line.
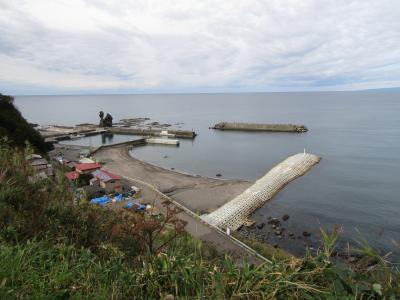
point(236, 212)
point(260, 127)
point(154, 132)
point(162, 141)
point(54, 134)
point(55, 138)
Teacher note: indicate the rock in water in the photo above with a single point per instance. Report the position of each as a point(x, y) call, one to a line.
point(108, 121)
point(285, 217)
point(274, 221)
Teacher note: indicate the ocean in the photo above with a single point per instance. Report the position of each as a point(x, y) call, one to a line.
point(357, 134)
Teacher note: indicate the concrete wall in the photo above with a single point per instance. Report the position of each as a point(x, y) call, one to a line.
point(260, 127)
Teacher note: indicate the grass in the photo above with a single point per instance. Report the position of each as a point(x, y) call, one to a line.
point(266, 250)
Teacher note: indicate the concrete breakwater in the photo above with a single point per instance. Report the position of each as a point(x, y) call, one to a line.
point(55, 133)
point(260, 127)
point(154, 132)
point(162, 142)
point(236, 212)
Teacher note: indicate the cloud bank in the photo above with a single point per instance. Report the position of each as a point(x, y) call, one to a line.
point(95, 46)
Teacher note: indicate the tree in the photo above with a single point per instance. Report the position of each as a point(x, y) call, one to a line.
point(16, 129)
point(151, 231)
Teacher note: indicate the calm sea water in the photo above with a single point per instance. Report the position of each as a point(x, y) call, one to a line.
point(357, 183)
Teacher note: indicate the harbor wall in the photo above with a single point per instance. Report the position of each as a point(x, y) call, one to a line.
point(236, 212)
point(162, 141)
point(153, 132)
point(260, 127)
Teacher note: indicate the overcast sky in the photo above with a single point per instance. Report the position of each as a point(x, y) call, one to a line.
point(97, 46)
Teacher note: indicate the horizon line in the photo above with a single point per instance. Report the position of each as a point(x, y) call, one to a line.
point(389, 89)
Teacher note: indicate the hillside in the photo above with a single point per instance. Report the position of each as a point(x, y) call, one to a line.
point(52, 247)
point(18, 131)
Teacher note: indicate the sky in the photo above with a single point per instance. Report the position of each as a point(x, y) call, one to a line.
point(134, 46)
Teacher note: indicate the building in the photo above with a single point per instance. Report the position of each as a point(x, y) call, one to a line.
point(71, 176)
point(107, 180)
point(86, 160)
point(40, 165)
point(87, 168)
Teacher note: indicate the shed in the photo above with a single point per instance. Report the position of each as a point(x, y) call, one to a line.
point(72, 175)
point(87, 168)
point(109, 181)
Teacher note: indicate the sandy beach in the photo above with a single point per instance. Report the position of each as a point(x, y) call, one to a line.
point(199, 194)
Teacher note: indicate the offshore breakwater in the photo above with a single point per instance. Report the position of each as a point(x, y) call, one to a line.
point(236, 212)
point(260, 127)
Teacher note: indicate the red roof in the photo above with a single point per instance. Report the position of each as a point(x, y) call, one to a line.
point(72, 175)
point(87, 166)
point(105, 176)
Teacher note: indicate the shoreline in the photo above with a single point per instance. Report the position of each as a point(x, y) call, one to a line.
point(199, 193)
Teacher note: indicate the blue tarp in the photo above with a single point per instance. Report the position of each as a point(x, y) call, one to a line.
point(102, 200)
point(136, 205)
point(119, 197)
point(130, 204)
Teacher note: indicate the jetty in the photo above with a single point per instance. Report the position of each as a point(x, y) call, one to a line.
point(236, 212)
point(260, 127)
point(56, 133)
point(162, 141)
point(154, 132)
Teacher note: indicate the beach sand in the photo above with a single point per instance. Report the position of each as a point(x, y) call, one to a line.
point(199, 194)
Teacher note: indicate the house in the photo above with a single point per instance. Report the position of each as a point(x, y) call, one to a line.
point(87, 168)
point(71, 176)
point(107, 180)
point(40, 165)
point(86, 160)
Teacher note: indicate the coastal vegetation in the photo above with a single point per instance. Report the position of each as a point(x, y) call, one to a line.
point(14, 126)
point(52, 246)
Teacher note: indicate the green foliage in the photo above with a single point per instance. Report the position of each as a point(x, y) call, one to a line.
point(329, 240)
point(17, 129)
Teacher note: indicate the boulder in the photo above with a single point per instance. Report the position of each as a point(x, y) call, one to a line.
point(260, 225)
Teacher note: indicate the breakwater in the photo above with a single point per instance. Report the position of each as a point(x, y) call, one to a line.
point(154, 132)
point(260, 127)
point(162, 141)
point(236, 212)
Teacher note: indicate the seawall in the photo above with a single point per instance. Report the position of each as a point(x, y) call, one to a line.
point(237, 211)
point(260, 127)
point(153, 132)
